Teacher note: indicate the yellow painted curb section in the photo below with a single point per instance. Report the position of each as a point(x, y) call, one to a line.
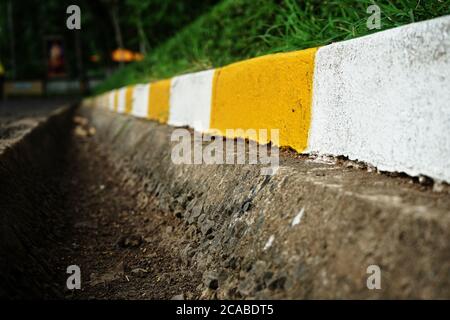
point(129, 99)
point(159, 100)
point(116, 100)
point(269, 92)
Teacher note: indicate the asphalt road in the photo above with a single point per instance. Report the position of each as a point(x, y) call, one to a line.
point(17, 116)
point(30, 107)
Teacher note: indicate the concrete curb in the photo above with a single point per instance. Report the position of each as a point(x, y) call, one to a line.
point(381, 99)
point(308, 232)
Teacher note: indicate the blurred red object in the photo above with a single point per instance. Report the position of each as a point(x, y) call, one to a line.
point(94, 58)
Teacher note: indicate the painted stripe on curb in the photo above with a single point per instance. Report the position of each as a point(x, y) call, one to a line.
point(385, 99)
point(121, 99)
point(159, 100)
point(190, 100)
point(116, 100)
point(269, 92)
point(140, 103)
point(128, 99)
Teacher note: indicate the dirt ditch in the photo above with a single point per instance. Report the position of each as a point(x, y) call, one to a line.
point(64, 203)
point(119, 236)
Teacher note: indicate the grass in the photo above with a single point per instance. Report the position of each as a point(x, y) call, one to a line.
point(239, 29)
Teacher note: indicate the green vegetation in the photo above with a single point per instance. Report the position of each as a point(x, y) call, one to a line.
point(238, 29)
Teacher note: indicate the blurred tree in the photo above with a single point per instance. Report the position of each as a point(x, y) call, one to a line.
point(137, 7)
point(138, 25)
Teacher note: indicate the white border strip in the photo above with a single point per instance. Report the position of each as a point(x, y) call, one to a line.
point(141, 93)
point(385, 99)
point(121, 99)
point(190, 100)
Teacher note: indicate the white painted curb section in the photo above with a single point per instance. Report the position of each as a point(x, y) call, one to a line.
point(141, 94)
point(190, 100)
point(121, 100)
point(385, 99)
